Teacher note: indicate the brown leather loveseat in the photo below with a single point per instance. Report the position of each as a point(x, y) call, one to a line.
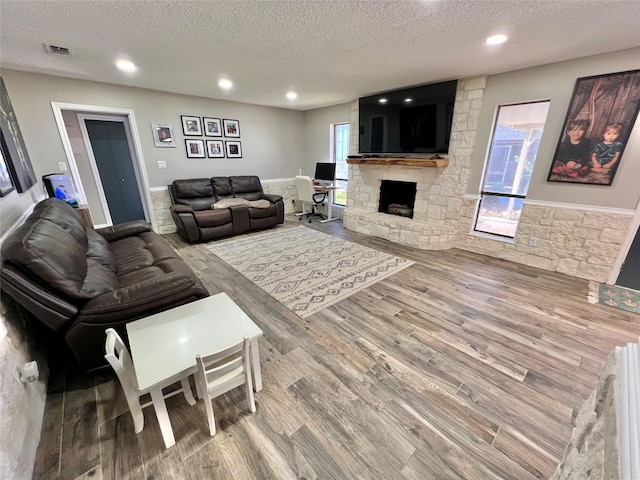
point(208, 208)
point(80, 281)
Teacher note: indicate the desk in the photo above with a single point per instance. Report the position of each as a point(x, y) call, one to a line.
point(164, 346)
point(85, 214)
point(330, 189)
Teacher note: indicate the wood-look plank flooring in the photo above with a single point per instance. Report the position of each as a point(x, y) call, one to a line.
point(459, 367)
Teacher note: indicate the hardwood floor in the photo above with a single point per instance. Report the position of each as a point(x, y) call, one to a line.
point(458, 367)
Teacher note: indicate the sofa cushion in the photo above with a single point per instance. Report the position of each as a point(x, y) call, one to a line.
point(193, 188)
point(212, 218)
point(222, 187)
point(197, 193)
point(99, 251)
point(247, 186)
point(270, 211)
point(229, 202)
point(52, 247)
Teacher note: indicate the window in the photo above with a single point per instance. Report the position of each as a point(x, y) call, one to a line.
point(340, 146)
point(512, 154)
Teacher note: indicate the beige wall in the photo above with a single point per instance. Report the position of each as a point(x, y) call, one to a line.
point(556, 82)
point(317, 134)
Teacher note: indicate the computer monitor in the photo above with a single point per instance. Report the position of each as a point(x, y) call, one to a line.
point(60, 186)
point(325, 172)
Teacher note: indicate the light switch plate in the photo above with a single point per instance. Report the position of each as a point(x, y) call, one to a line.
point(62, 166)
point(162, 164)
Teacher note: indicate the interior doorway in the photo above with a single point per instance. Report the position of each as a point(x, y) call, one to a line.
point(96, 185)
point(110, 154)
point(629, 276)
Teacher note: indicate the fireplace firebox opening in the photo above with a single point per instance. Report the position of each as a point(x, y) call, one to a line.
point(397, 198)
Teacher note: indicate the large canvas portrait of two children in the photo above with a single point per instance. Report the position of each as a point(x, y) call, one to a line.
point(599, 121)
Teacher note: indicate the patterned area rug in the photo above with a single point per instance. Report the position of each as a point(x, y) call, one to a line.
point(306, 270)
point(614, 296)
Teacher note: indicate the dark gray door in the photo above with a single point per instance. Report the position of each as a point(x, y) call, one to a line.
point(117, 175)
point(630, 274)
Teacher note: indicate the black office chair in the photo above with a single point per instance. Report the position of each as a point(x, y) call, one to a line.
point(309, 197)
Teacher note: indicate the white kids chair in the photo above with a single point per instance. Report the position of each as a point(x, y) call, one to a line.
point(221, 372)
point(119, 358)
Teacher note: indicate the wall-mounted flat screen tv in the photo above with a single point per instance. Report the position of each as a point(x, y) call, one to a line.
point(410, 121)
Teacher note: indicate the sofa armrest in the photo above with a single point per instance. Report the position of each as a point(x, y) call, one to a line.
point(140, 297)
point(124, 230)
point(272, 198)
point(278, 201)
point(185, 221)
point(179, 208)
point(51, 309)
point(240, 218)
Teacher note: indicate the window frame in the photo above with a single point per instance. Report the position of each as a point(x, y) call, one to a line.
point(530, 139)
point(334, 155)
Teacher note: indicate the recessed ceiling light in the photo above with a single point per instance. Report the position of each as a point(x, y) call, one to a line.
point(496, 39)
point(225, 84)
point(382, 100)
point(408, 100)
point(292, 95)
point(126, 65)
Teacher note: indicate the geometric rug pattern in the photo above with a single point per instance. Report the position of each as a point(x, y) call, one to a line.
point(614, 296)
point(306, 270)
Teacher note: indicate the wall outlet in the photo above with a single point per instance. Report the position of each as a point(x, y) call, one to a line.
point(533, 241)
point(17, 374)
point(62, 166)
point(162, 164)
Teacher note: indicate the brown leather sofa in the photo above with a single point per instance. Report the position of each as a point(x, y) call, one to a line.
point(198, 221)
point(80, 281)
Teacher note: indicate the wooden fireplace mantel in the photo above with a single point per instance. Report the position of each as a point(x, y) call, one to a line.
point(400, 162)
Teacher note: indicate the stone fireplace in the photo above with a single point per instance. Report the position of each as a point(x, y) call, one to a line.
point(397, 198)
point(435, 217)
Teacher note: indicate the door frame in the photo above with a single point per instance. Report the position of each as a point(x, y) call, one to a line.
point(94, 164)
point(625, 247)
point(124, 114)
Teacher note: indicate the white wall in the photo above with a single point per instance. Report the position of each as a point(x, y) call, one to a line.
point(317, 134)
point(556, 82)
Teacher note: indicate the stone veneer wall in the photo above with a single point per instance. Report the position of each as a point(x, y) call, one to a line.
point(440, 191)
point(594, 450)
point(571, 240)
point(162, 201)
point(21, 405)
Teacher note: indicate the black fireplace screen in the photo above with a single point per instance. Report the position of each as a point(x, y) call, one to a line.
point(397, 198)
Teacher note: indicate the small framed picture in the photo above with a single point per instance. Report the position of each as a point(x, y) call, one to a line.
point(212, 127)
point(191, 125)
point(234, 149)
point(231, 128)
point(215, 149)
point(163, 135)
point(195, 148)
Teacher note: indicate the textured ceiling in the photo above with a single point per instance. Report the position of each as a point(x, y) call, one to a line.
point(330, 52)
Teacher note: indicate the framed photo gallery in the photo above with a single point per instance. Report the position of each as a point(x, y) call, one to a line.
point(192, 126)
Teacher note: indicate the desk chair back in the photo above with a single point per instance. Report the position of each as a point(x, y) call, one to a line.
point(119, 358)
point(223, 371)
point(308, 196)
